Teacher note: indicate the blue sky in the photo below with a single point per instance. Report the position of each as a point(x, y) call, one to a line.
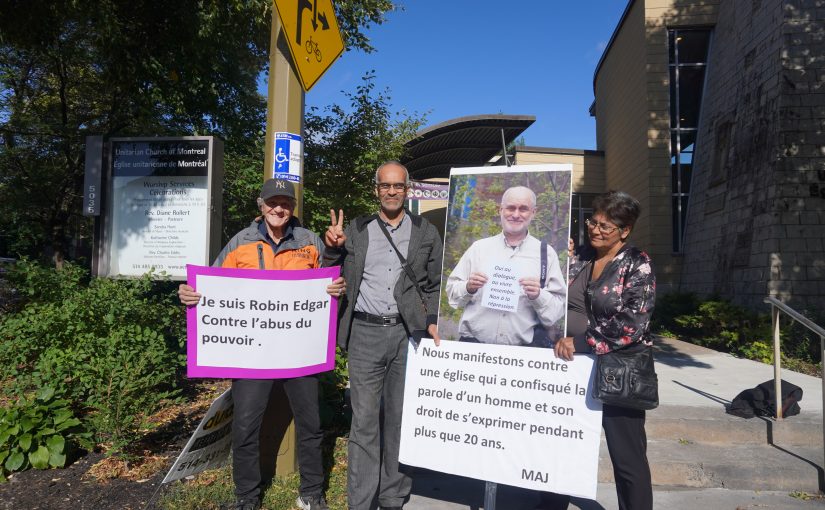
point(451, 58)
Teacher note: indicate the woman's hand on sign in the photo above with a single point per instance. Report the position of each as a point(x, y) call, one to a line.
point(337, 288)
point(187, 295)
point(334, 236)
point(564, 348)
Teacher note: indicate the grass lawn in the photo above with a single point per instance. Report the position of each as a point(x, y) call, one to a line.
point(211, 489)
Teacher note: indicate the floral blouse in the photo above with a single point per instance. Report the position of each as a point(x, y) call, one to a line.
point(620, 303)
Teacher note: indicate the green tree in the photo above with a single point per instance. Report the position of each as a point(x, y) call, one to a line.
point(343, 148)
point(69, 69)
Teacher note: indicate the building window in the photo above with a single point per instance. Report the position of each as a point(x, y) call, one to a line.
point(581, 209)
point(688, 51)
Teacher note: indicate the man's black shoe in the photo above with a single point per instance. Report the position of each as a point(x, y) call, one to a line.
point(246, 504)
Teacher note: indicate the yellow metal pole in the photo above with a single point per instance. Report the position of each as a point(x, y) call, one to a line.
point(284, 112)
point(285, 101)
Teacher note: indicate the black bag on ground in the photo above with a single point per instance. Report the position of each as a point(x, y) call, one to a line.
point(761, 401)
point(627, 378)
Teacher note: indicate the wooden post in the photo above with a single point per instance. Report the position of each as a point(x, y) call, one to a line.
point(285, 102)
point(284, 112)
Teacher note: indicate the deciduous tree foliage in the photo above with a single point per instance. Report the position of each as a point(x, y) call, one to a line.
point(71, 68)
point(343, 148)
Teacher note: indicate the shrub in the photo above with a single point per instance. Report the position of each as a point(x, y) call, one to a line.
point(38, 433)
point(112, 347)
point(721, 325)
point(668, 308)
point(126, 377)
point(65, 310)
point(802, 343)
point(42, 284)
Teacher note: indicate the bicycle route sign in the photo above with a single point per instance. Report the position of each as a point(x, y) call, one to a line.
point(313, 37)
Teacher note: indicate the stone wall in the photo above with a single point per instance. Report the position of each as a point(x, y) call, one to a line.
point(756, 221)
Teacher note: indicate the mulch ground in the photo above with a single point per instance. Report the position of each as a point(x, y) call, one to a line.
point(96, 482)
point(72, 488)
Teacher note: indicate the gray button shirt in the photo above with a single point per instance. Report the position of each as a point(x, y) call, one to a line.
point(382, 268)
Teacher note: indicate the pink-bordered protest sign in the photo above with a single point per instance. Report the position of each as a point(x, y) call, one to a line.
point(261, 324)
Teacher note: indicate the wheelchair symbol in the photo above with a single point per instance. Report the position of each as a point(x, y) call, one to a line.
point(281, 158)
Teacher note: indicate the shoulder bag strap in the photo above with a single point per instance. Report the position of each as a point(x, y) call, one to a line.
point(407, 268)
point(543, 279)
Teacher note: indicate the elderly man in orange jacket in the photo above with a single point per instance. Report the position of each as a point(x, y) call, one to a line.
point(276, 240)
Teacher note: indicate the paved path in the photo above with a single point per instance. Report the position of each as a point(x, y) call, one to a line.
point(456, 493)
point(690, 375)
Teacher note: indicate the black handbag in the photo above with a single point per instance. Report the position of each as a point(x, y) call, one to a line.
point(626, 378)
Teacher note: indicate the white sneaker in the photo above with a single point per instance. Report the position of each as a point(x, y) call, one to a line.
point(311, 503)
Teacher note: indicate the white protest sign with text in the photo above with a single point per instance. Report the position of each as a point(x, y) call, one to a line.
point(502, 290)
point(261, 324)
point(512, 415)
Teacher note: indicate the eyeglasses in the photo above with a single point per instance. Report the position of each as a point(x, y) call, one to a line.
point(512, 209)
point(285, 204)
point(604, 228)
point(397, 186)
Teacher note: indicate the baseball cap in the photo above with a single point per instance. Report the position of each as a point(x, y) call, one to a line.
point(277, 187)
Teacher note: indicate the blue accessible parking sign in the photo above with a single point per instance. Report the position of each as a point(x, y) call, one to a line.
point(286, 162)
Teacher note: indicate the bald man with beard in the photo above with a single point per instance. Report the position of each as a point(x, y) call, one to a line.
point(514, 246)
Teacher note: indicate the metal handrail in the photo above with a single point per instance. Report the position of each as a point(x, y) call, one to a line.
point(808, 323)
point(776, 307)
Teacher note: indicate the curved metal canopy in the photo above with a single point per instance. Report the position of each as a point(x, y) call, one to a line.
point(462, 142)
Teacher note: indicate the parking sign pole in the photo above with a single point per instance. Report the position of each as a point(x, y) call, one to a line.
point(284, 112)
point(285, 102)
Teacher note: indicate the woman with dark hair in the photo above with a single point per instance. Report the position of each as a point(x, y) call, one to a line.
point(610, 301)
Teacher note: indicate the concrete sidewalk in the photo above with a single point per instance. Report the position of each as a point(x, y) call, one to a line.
point(695, 384)
point(437, 491)
point(694, 376)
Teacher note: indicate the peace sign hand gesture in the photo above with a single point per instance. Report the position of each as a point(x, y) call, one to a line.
point(334, 236)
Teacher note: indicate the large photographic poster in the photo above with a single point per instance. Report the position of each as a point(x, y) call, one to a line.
point(475, 242)
point(159, 207)
point(493, 402)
